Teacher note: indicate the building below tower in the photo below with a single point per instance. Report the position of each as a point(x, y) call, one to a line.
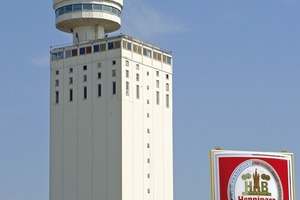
point(111, 121)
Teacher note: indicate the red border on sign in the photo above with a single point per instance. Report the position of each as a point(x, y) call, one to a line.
point(227, 165)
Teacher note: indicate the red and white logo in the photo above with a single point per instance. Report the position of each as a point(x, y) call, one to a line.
point(254, 179)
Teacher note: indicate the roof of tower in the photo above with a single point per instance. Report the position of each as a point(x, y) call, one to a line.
point(58, 3)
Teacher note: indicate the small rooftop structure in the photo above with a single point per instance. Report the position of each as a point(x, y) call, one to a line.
point(88, 19)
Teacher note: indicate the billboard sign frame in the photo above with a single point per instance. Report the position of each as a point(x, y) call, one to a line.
point(252, 175)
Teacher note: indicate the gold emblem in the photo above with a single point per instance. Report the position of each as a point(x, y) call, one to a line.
point(258, 185)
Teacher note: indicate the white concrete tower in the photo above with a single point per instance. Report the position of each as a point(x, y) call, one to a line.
point(111, 110)
point(88, 19)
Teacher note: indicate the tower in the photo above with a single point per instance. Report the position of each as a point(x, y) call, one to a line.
point(256, 177)
point(111, 109)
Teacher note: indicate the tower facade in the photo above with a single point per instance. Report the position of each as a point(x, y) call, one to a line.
point(111, 110)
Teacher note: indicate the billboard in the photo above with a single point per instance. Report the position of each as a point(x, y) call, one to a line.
point(250, 175)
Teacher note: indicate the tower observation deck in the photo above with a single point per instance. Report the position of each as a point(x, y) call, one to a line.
point(87, 19)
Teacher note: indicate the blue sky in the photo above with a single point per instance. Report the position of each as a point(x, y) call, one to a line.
point(236, 84)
